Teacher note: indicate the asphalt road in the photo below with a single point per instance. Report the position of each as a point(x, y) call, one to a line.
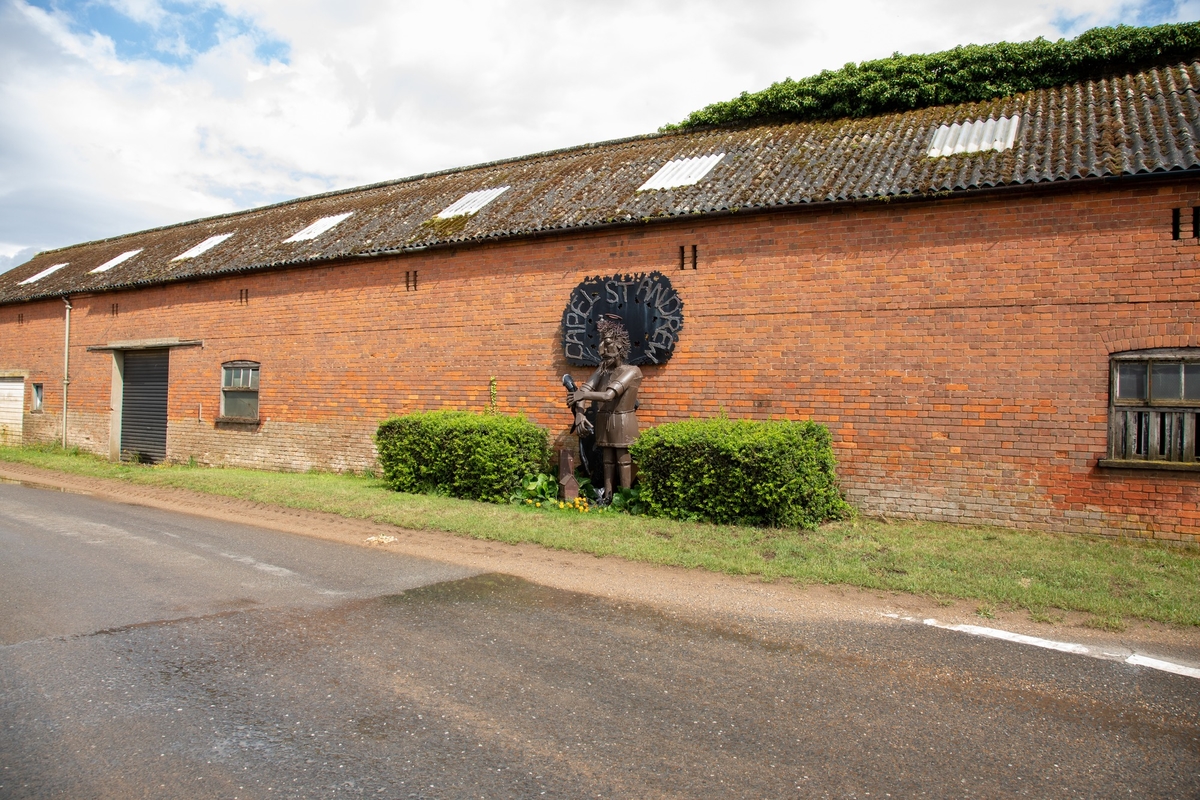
point(150, 654)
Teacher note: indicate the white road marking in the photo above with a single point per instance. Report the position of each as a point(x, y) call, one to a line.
point(1165, 666)
point(75, 528)
point(1063, 647)
point(273, 569)
point(1008, 636)
point(282, 572)
point(100, 534)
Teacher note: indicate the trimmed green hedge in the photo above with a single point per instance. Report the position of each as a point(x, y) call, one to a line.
point(472, 456)
point(776, 473)
point(965, 74)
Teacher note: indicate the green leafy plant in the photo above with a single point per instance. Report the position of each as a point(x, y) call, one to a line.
point(586, 488)
point(777, 473)
point(460, 454)
point(629, 501)
point(536, 490)
point(969, 73)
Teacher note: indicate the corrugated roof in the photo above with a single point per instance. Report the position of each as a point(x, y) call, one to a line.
point(974, 137)
point(121, 259)
point(50, 270)
point(317, 228)
point(1135, 124)
point(203, 247)
point(471, 203)
point(681, 172)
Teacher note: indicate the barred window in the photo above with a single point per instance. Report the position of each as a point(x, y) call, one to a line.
point(239, 390)
point(1155, 400)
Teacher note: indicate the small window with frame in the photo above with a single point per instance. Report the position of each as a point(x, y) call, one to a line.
point(1154, 410)
point(35, 405)
point(239, 391)
point(1157, 383)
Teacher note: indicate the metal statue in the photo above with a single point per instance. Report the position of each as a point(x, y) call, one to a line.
point(612, 389)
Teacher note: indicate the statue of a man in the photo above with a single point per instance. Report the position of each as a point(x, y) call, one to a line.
point(613, 389)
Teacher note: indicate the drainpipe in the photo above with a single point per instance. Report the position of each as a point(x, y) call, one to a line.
point(66, 367)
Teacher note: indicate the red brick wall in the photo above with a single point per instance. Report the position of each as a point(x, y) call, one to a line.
point(957, 349)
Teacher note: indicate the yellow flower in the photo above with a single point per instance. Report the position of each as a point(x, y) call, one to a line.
point(528, 502)
point(539, 505)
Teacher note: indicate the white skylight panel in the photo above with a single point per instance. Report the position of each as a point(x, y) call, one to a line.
point(43, 273)
point(203, 247)
point(975, 137)
point(317, 228)
point(681, 172)
point(471, 203)
point(121, 259)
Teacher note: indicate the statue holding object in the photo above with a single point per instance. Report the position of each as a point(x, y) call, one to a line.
point(612, 389)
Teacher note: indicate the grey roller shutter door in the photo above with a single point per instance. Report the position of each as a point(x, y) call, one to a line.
point(144, 405)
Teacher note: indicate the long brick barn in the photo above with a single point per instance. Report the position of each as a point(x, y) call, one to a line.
point(992, 306)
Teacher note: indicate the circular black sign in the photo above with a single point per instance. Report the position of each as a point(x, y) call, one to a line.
point(650, 307)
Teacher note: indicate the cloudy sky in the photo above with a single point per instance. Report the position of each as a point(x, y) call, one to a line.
point(119, 115)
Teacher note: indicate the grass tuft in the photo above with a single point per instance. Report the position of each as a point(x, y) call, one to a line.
point(1107, 622)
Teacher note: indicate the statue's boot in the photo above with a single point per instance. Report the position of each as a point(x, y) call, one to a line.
point(609, 469)
point(625, 466)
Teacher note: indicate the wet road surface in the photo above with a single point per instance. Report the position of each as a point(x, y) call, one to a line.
point(147, 654)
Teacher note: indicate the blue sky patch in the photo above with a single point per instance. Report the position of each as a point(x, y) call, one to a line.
point(181, 32)
point(1156, 12)
point(1146, 12)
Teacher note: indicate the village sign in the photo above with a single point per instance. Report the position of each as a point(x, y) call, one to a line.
point(649, 307)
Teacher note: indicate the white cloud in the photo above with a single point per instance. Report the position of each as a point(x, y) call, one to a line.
point(93, 145)
point(12, 255)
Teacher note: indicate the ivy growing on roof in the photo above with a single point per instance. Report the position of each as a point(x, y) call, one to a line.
point(965, 74)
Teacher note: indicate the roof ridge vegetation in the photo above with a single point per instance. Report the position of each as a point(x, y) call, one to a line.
point(964, 74)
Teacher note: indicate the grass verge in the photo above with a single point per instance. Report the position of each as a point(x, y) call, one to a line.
point(998, 568)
